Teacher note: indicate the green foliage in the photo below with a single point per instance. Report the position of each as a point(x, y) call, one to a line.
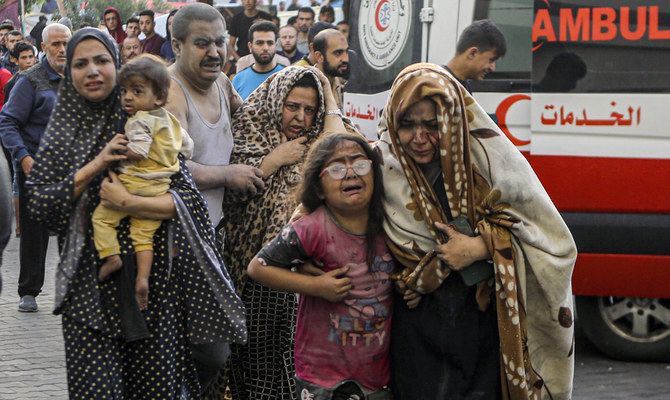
point(90, 11)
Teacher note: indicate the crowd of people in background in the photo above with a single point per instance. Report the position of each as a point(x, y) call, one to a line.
point(204, 139)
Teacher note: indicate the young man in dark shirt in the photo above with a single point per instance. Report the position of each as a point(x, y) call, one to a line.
point(153, 41)
point(36, 32)
point(479, 47)
point(239, 28)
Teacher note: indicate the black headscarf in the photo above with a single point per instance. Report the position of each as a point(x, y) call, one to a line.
point(77, 131)
point(90, 33)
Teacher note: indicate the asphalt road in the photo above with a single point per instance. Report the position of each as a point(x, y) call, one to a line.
point(32, 362)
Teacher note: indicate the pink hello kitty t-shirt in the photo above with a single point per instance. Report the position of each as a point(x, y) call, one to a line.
point(348, 339)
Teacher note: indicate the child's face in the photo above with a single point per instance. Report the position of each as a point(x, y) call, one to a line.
point(137, 94)
point(353, 193)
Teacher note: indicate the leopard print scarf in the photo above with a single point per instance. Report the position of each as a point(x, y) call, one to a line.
point(250, 222)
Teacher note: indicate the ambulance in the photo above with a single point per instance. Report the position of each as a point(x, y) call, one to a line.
point(584, 93)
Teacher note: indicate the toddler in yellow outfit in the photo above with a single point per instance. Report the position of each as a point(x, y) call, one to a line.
point(155, 140)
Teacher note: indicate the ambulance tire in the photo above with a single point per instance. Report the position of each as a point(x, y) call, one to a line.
point(626, 328)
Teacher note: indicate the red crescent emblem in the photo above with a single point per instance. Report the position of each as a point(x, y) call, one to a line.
point(379, 7)
point(501, 113)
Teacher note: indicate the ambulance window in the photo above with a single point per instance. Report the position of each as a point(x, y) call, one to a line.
point(514, 18)
point(591, 46)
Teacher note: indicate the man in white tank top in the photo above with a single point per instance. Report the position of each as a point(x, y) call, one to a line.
point(203, 100)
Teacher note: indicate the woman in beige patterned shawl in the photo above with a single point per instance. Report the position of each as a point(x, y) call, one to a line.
point(272, 131)
point(509, 336)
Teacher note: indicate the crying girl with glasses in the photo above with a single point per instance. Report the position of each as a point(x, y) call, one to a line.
point(342, 233)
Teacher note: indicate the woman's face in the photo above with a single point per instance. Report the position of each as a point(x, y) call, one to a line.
point(418, 132)
point(93, 70)
point(298, 112)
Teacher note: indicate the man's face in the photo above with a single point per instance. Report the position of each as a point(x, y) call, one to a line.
point(201, 56)
point(263, 46)
point(111, 21)
point(132, 29)
point(249, 4)
point(305, 20)
point(54, 48)
point(3, 36)
point(336, 59)
point(344, 28)
point(288, 38)
point(12, 39)
point(25, 61)
point(130, 49)
point(147, 24)
point(327, 17)
point(481, 63)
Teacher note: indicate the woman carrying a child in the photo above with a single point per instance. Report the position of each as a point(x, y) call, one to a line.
point(458, 192)
point(113, 350)
point(272, 131)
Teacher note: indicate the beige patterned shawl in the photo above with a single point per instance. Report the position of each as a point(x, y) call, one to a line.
point(489, 182)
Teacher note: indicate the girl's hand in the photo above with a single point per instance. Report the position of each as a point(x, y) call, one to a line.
point(410, 296)
point(113, 194)
point(461, 250)
point(114, 150)
point(332, 285)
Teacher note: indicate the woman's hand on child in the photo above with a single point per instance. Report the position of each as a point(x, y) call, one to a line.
point(113, 194)
point(114, 150)
point(332, 285)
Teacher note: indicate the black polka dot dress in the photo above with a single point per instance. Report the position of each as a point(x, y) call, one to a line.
point(191, 299)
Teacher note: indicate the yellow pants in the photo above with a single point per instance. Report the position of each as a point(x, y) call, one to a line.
point(105, 220)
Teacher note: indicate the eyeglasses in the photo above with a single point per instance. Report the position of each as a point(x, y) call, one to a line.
point(293, 107)
point(339, 171)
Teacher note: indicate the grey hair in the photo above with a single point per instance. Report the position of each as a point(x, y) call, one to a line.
point(193, 12)
point(54, 26)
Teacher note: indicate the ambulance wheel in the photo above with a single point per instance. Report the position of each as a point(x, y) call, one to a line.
point(627, 328)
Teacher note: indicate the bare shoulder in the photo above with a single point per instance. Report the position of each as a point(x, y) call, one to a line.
point(234, 98)
point(176, 102)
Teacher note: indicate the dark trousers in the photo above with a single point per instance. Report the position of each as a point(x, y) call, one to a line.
point(209, 359)
point(445, 348)
point(33, 245)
